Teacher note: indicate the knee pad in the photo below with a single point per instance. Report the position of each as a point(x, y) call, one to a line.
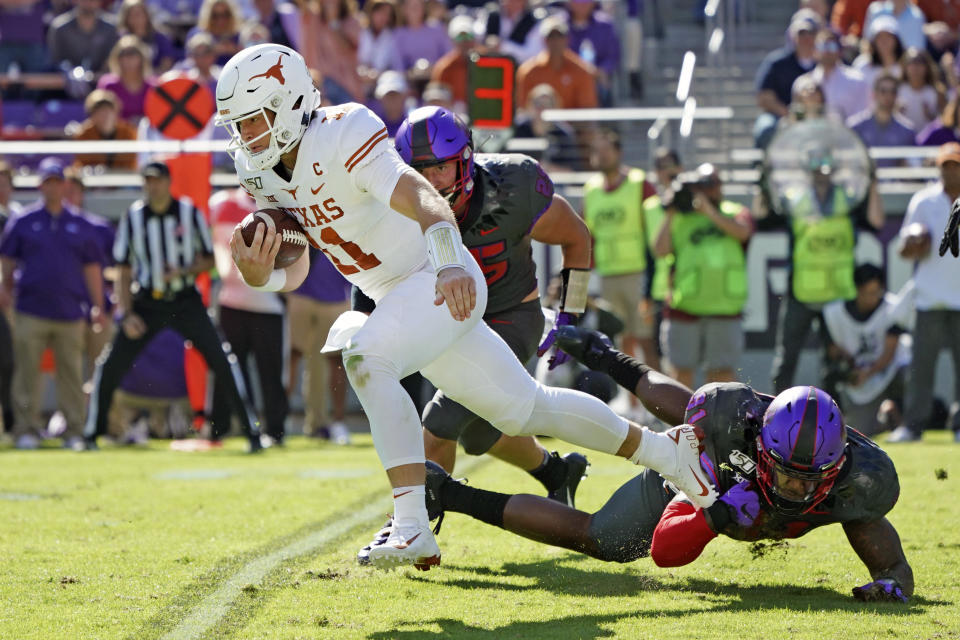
point(478, 437)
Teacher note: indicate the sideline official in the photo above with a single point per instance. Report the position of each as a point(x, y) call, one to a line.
point(162, 245)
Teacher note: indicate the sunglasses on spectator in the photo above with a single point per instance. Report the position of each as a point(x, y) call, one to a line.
point(887, 89)
point(828, 46)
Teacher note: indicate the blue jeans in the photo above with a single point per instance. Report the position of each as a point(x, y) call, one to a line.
point(32, 58)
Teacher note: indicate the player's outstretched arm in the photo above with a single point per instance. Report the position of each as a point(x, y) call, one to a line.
point(560, 225)
point(416, 198)
point(878, 545)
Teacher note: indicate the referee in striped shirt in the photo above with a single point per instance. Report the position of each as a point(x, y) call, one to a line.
point(162, 244)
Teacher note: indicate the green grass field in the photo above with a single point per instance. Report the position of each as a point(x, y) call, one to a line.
point(151, 543)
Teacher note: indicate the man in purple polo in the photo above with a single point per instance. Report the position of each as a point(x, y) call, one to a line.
point(58, 257)
point(594, 39)
point(882, 126)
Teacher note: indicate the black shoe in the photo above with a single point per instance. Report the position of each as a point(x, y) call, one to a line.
point(576, 464)
point(90, 443)
point(254, 442)
point(436, 477)
point(589, 347)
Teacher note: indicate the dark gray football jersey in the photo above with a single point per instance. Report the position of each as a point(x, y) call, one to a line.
point(510, 194)
point(731, 414)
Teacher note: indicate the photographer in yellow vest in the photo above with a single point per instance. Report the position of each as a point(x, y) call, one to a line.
point(821, 220)
point(613, 211)
point(707, 236)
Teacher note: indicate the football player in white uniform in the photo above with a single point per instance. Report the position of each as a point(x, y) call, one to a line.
point(390, 233)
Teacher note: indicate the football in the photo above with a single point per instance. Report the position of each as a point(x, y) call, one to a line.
point(294, 237)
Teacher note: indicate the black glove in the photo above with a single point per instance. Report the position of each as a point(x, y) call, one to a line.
point(951, 238)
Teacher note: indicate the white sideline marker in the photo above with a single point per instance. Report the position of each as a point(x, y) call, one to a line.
point(216, 605)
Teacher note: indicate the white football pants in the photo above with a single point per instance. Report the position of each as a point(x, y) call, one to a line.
point(471, 364)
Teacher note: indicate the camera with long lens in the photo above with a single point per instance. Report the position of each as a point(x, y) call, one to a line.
point(683, 189)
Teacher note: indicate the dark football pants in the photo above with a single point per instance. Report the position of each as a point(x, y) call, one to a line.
point(187, 316)
point(521, 327)
point(622, 529)
point(793, 326)
point(260, 334)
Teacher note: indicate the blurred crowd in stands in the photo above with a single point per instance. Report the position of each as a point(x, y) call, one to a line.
point(888, 69)
point(82, 68)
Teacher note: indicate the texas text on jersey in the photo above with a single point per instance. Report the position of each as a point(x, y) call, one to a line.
point(731, 414)
point(342, 209)
point(512, 191)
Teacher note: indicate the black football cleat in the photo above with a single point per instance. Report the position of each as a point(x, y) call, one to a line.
point(254, 445)
point(587, 346)
point(436, 477)
point(576, 464)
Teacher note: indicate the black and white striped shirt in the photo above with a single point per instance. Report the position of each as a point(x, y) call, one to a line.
point(152, 243)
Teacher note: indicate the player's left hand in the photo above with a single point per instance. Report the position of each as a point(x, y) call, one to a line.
point(882, 590)
point(743, 503)
point(564, 319)
point(456, 287)
point(951, 238)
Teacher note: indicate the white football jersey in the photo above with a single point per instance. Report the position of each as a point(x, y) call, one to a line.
point(865, 340)
point(372, 245)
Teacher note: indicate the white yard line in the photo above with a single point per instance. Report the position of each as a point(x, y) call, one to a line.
point(216, 605)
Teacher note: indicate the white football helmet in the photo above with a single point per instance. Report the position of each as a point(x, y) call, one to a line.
point(267, 77)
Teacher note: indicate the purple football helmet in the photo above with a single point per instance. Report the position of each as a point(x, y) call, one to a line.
point(800, 449)
point(434, 135)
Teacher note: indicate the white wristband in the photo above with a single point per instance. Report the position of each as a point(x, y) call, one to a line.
point(444, 246)
point(276, 281)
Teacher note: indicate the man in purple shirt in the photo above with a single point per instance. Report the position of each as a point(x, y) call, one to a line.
point(59, 258)
point(312, 308)
point(594, 39)
point(882, 126)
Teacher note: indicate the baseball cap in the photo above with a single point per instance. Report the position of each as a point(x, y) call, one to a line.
point(949, 152)
point(390, 81)
point(883, 23)
point(554, 24)
point(50, 168)
point(461, 28)
point(155, 169)
point(803, 21)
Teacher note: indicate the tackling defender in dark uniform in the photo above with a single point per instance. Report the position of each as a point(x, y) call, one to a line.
point(501, 202)
point(782, 466)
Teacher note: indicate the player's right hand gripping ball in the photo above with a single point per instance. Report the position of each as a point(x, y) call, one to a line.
point(951, 237)
point(293, 235)
point(882, 590)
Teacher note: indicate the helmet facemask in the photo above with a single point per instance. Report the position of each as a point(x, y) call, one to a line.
point(433, 135)
point(800, 450)
point(282, 138)
point(790, 490)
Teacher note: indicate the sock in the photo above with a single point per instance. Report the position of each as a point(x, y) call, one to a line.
point(486, 506)
point(409, 505)
point(656, 451)
point(624, 370)
point(552, 473)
